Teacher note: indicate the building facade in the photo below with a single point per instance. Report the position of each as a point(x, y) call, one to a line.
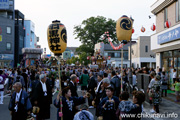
point(7, 32)
point(141, 53)
point(69, 53)
point(19, 37)
point(30, 38)
point(66, 54)
point(107, 51)
point(166, 41)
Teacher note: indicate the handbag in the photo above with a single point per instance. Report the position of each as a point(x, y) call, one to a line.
point(150, 93)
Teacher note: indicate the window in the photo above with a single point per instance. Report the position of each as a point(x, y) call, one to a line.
point(105, 54)
point(8, 46)
point(116, 54)
point(111, 54)
point(146, 48)
point(178, 11)
point(125, 55)
point(8, 30)
point(165, 15)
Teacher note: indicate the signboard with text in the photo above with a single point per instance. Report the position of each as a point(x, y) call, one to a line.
point(4, 4)
point(6, 56)
point(169, 36)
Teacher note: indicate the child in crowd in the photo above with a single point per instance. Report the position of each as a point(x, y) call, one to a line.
point(109, 105)
point(138, 99)
point(125, 106)
point(177, 90)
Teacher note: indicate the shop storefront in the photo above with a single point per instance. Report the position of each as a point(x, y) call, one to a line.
point(166, 45)
point(6, 60)
point(170, 61)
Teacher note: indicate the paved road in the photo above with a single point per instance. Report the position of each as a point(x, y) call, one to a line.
point(5, 114)
point(167, 106)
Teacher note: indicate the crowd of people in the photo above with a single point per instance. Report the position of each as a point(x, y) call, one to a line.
point(32, 90)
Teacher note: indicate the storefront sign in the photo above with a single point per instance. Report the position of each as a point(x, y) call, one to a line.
point(169, 36)
point(6, 56)
point(4, 4)
point(32, 50)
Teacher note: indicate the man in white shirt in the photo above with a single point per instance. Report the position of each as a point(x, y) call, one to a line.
point(19, 105)
point(43, 98)
point(174, 75)
point(134, 78)
point(99, 78)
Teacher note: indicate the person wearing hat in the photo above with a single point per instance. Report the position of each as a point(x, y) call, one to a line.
point(84, 114)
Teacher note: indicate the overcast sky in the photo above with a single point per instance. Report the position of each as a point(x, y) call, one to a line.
point(73, 12)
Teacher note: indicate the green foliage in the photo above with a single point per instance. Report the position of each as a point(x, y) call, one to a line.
point(83, 57)
point(68, 61)
point(85, 48)
point(91, 31)
point(74, 60)
point(45, 60)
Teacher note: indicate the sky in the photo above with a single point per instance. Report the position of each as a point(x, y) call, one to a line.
point(73, 12)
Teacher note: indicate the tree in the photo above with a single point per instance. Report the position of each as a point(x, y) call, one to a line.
point(83, 57)
point(74, 60)
point(91, 31)
point(85, 48)
point(68, 61)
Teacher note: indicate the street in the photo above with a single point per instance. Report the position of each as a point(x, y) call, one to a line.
point(166, 106)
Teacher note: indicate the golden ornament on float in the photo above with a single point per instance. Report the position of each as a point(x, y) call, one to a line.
point(124, 28)
point(57, 37)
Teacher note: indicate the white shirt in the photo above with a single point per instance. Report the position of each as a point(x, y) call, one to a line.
point(134, 79)
point(43, 86)
point(18, 96)
point(98, 86)
point(151, 83)
point(72, 82)
point(174, 74)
